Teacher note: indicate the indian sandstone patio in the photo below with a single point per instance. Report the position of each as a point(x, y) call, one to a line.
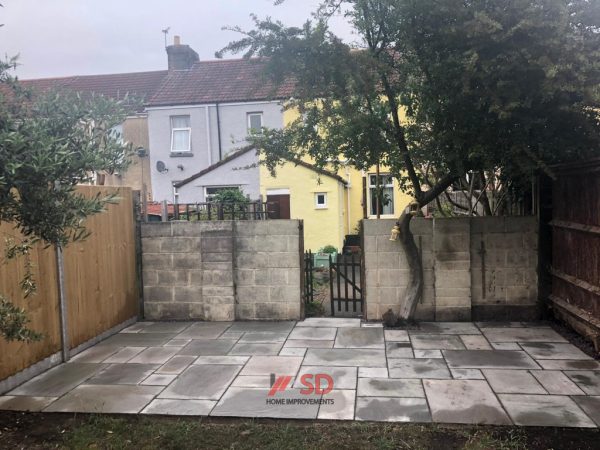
point(473, 373)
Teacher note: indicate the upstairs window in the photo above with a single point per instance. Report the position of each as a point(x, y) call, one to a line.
point(321, 200)
point(181, 134)
point(255, 123)
point(381, 195)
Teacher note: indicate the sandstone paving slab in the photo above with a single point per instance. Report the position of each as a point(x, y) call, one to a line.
point(136, 340)
point(308, 343)
point(180, 407)
point(396, 335)
point(549, 350)
point(448, 328)
point(398, 350)
point(356, 357)
point(464, 401)
point(123, 374)
point(204, 330)
point(20, 403)
point(556, 364)
point(227, 360)
point(124, 355)
point(504, 381)
point(267, 365)
point(359, 338)
point(343, 377)
point(165, 327)
point(428, 354)
point(266, 337)
point(587, 380)
point(329, 322)
point(467, 374)
point(545, 411)
point(342, 407)
point(556, 382)
point(489, 359)
point(207, 347)
point(95, 354)
point(310, 333)
point(176, 365)
point(117, 399)
point(436, 342)
point(264, 327)
point(475, 342)
point(293, 351)
point(154, 355)
point(158, 380)
point(591, 406)
point(389, 387)
point(58, 381)
point(256, 349)
point(418, 368)
point(206, 382)
point(389, 409)
point(522, 335)
point(252, 402)
point(373, 372)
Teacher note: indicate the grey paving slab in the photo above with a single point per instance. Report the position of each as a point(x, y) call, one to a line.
point(549, 350)
point(251, 402)
point(123, 374)
point(154, 355)
point(137, 340)
point(264, 327)
point(58, 381)
point(20, 403)
point(475, 342)
point(371, 325)
point(206, 382)
point(343, 377)
point(227, 360)
point(255, 381)
point(345, 357)
point(522, 335)
point(158, 380)
point(256, 349)
point(591, 406)
point(180, 407)
point(373, 372)
point(499, 324)
point(207, 347)
point(505, 346)
point(178, 343)
point(398, 350)
point(95, 354)
point(467, 374)
point(342, 407)
point(545, 411)
point(165, 327)
point(124, 355)
point(359, 338)
point(396, 335)
point(308, 343)
point(386, 409)
point(587, 380)
point(448, 328)
point(464, 401)
point(329, 322)
point(136, 327)
point(176, 365)
point(556, 382)
point(231, 335)
point(266, 337)
point(116, 399)
point(204, 330)
point(556, 364)
point(310, 333)
point(489, 359)
point(293, 351)
point(418, 368)
point(436, 342)
point(266, 365)
point(428, 354)
point(389, 387)
point(504, 381)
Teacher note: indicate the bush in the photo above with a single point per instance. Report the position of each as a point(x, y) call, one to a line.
point(328, 249)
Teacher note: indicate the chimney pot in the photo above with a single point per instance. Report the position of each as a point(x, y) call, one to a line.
point(177, 40)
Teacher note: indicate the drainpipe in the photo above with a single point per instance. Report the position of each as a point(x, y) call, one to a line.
point(62, 300)
point(219, 132)
point(348, 195)
point(208, 137)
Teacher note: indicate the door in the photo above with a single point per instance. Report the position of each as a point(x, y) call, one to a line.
point(279, 206)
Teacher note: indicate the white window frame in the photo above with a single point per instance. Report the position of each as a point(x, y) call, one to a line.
point(188, 129)
point(175, 193)
point(320, 205)
point(208, 197)
point(249, 123)
point(373, 186)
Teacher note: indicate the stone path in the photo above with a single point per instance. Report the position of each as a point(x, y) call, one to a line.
point(472, 373)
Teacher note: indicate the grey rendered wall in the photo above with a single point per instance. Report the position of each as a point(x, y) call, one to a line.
point(222, 270)
point(462, 282)
point(233, 118)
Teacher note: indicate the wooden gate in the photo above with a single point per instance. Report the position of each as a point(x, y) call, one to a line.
point(346, 285)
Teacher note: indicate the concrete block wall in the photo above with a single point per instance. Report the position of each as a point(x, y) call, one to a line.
point(221, 270)
point(453, 280)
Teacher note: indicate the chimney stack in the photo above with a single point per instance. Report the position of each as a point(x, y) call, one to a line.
point(181, 57)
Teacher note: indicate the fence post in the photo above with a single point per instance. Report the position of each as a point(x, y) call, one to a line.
point(62, 298)
point(164, 210)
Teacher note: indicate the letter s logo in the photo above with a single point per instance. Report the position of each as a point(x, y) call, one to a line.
point(328, 389)
point(305, 381)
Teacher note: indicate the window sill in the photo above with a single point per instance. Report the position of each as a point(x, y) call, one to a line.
point(181, 155)
point(383, 216)
point(321, 207)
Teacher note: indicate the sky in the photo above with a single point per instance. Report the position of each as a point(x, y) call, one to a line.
point(83, 37)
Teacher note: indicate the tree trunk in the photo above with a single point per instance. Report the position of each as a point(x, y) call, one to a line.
point(414, 290)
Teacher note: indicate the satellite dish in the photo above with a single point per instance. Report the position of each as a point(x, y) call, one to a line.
point(161, 167)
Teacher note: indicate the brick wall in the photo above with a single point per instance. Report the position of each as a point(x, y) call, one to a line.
point(462, 282)
point(221, 271)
